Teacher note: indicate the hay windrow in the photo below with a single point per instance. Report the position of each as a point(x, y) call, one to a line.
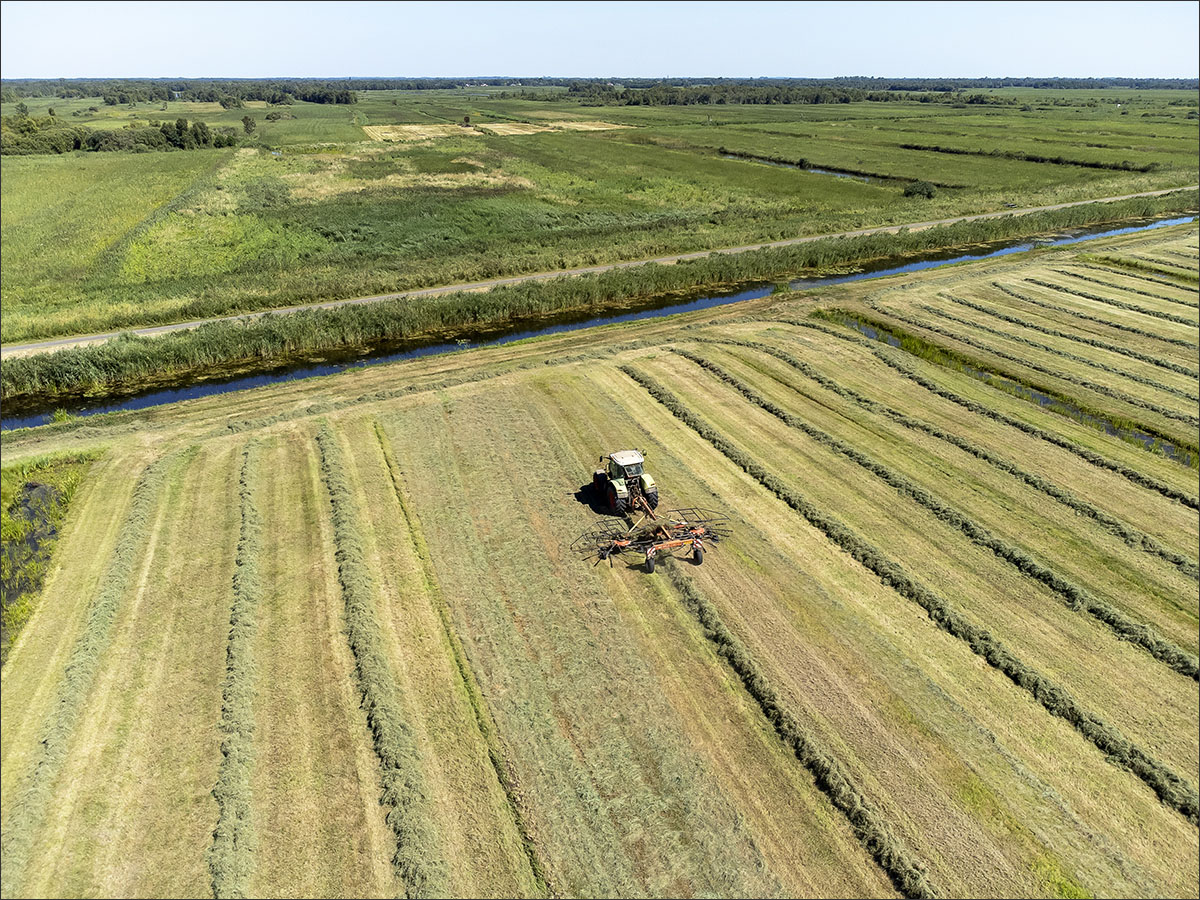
point(1073, 595)
point(1095, 459)
point(231, 857)
point(1078, 338)
point(1131, 536)
point(417, 861)
point(870, 827)
point(1172, 790)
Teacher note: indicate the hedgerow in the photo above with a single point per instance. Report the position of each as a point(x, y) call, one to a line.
point(1075, 596)
point(1077, 338)
point(1065, 354)
point(897, 860)
point(1109, 301)
point(1090, 456)
point(418, 859)
point(1119, 326)
point(1131, 536)
point(51, 751)
point(231, 857)
point(1173, 790)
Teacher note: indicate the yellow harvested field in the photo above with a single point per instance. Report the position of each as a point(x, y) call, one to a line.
point(513, 128)
point(393, 133)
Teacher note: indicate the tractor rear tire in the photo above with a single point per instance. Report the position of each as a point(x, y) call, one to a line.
point(698, 555)
point(652, 498)
point(650, 564)
point(617, 505)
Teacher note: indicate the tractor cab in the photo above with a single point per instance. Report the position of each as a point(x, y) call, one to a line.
point(625, 483)
point(624, 465)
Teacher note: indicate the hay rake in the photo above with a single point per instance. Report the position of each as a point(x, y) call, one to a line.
point(655, 534)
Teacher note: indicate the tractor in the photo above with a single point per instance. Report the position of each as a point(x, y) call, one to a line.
point(623, 484)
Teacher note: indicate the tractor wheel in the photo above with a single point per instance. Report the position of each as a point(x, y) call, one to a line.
point(615, 504)
point(650, 564)
point(698, 555)
point(598, 481)
point(652, 498)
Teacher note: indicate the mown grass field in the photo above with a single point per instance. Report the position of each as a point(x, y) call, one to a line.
point(949, 649)
point(317, 209)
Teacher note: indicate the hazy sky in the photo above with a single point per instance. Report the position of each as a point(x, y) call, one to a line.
point(965, 39)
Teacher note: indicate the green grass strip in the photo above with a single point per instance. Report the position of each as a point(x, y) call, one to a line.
point(1133, 537)
point(231, 857)
point(505, 774)
point(1077, 338)
point(1095, 459)
point(1075, 596)
point(870, 827)
point(418, 861)
point(29, 810)
point(1173, 790)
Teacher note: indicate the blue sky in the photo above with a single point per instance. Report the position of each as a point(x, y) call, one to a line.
point(647, 39)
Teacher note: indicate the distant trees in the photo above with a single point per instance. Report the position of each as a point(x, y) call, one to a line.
point(25, 135)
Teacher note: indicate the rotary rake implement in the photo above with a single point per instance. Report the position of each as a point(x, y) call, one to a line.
point(655, 534)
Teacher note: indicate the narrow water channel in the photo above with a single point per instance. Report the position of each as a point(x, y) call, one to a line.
point(40, 412)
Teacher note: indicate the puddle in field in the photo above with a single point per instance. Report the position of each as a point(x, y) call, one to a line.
point(1149, 442)
point(34, 411)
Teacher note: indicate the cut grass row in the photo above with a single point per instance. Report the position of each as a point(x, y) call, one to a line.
point(1112, 301)
point(1118, 266)
point(80, 673)
point(1078, 338)
point(1173, 790)
point(1132, 537)
point(1078, 381)
point(501, 767)
point(417, 859)
point(897, 860)
point(1058, 351)
point(1125, 288)
point(1073, 595)
point(1079, 314)
point(1090, 456)
point(231, 857)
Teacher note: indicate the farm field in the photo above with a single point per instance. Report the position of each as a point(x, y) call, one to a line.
point(949, 647)
point(396, 192)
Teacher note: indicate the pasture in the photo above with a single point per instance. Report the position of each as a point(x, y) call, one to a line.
point(949, 649)
point(398, 191)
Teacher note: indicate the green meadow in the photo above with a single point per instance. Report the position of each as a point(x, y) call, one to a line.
point(407, 189)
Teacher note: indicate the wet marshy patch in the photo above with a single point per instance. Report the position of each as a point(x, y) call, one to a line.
point(35, 500)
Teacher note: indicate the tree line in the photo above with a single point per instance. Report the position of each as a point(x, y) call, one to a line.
point(24, 135)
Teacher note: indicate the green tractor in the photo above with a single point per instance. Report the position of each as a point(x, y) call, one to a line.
point(624, 485)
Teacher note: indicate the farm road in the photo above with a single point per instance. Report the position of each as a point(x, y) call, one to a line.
point(80, 340)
